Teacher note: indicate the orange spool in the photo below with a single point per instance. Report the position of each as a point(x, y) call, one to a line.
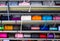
point(8, 27)
point(36, 17)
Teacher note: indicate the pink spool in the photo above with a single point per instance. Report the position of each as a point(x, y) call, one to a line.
point(2, 5)
point(24, 4)
point(19, 35)
point(3, 35)
point(35, 28)
point(56, 18)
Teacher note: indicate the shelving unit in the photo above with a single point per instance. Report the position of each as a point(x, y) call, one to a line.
point(24, 10)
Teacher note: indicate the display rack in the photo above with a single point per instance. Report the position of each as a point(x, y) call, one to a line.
point(26, 8)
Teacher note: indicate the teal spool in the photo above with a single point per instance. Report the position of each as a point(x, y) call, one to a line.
point(53, 28)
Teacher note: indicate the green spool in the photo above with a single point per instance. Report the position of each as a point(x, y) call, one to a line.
point(1, 28)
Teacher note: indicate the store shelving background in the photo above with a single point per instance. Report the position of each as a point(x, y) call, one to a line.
point(51, 10)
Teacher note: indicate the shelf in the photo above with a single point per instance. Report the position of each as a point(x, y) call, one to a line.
point(22, 0)
point(9, 31)
point(30, 0)
point(31, 13)
point(3, 8)
point(30, 22)
point(39, 31)
point(31, 31)
point(46, 6)
point(35, 8)
point(8, 22)
point(41, 21)
point(43, 8)
point(27, 39)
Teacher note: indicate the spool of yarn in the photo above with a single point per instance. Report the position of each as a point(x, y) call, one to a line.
point(16, 27)
point(2, 3)
point(36, 17)
point(36, 3)
point(24, 4)
point(57, 3)
point(35, 28)
point(13, 3)
point(8, 27)
point(50, 35)
point(16, 17)
point(59, 28)
point(48, 3)
point(11, 35)
point(56, 18)
point(34, 35)
point(4, 17)
point(6, 40)
point(44, 28)
point(57, 35)
point(25, 17)
point(47, 18)
point(26, 27)
point(42, 35)
point(3, 35)
point(19, 35)
point(53, 29)
point(1, 28)
point(27, 35)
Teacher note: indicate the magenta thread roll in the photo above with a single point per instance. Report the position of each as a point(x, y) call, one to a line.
point(56, 18)
point(3, 35)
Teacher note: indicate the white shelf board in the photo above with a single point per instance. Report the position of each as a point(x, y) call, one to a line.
point(29, 21)
point(9, 22)
point(30, 0)
point(3, 6)
point(41, 21)
point(39, 31)
point(9, 31)
point(27, 39)
point(31, 13)
point(35, 6)
point(32, 31)
point(28, 6)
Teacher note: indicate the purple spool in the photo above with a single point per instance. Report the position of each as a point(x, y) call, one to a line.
point(16, 18)
point(50, 35)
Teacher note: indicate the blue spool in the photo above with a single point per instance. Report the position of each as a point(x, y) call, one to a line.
point(46, 28)
point(13, 3)
point(47, 18)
